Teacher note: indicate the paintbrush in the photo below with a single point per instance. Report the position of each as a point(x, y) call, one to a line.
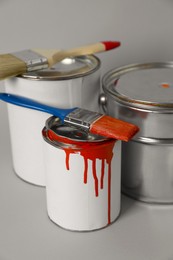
point(30, 60)
point(92, 122)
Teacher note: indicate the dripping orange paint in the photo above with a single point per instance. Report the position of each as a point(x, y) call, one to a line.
point(102, 151)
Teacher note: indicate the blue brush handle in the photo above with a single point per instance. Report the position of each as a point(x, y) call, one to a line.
point(29, 103)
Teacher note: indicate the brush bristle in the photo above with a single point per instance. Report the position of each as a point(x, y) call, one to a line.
point(11, 66)
point(113, 128)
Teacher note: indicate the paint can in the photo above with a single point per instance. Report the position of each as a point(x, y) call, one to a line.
point(70, 83)
point(142, 94)
point(82, 177)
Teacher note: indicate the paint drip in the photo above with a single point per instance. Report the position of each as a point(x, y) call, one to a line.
point(93, 151)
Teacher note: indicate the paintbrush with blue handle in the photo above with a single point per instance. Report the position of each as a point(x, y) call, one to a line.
point(90, 121)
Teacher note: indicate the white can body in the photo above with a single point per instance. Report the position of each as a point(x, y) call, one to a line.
point(26, 125)
point(72, 203)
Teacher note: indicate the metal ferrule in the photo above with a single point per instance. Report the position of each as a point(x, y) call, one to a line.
point(82, 118)
point(33, 60)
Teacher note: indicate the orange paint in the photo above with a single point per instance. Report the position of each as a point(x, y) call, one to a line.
point(93, 151)
point(102, 174)
point(165, 85)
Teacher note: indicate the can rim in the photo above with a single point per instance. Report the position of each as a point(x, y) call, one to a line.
point(77, 73)
point(55, 143)
point(115, 74)
point(53, 122)
point(75, 145)
point(153, 141)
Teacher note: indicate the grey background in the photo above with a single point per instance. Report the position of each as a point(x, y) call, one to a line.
point(144, 27)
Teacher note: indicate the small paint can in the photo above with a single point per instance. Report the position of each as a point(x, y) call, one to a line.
point(70, 83)
point(142, 94)
point(82, 177)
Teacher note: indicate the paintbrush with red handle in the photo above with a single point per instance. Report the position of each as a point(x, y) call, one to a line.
point(92, 122)
point(30, 60)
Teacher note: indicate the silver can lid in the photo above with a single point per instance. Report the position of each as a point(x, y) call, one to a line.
point(66, 69)
point(72, 133)
point(146, 86)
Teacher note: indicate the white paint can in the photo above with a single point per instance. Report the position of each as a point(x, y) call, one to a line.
point(70, 83)
point(82, 177)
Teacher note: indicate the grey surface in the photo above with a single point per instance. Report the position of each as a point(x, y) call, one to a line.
point(142, 231)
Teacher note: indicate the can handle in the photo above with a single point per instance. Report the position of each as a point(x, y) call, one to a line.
point(103, 102)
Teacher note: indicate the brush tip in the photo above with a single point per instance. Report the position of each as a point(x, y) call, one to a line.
point(113, 128)
point(109, 45)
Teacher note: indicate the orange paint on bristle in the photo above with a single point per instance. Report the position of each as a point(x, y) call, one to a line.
point(114, 128)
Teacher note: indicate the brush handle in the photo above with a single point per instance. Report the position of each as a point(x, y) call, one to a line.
point(30, 103)
point(86, 50)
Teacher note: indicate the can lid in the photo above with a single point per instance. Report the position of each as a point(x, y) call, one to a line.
point(66, 69)
point(143, 85)
point(70, 133)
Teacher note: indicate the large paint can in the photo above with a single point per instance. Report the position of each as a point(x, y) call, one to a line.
point(142, 94)
point(82, 177)
point(70, 83)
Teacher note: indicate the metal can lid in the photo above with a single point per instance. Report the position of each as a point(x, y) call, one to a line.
point(70, 134)
point(146, 86)
point(66, 69)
